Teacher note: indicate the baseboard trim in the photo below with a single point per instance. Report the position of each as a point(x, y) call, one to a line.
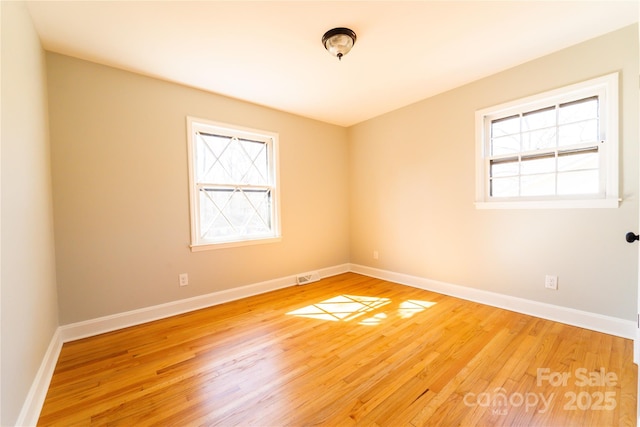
point(37, 393)
point(35, 399)
point(32, 405)
point(583, 319)
point(117, 321)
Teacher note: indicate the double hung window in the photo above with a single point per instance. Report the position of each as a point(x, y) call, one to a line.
point(557, 149)
point(233, 185)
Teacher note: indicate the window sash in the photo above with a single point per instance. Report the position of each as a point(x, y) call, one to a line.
point(576, 122)
point(515, 176)
point(250, 214)
point(233, 185)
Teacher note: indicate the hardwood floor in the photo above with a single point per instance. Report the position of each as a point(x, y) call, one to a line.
point(348, 350)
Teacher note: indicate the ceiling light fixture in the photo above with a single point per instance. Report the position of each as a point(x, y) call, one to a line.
point(339, 41)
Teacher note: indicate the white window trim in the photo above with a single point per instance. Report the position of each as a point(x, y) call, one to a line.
point(196, 244)
point(608, 86)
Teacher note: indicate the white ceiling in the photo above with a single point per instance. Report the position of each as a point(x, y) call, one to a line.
point(270, 52)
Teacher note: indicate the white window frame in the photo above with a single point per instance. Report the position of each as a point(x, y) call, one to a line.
point(195, 125)
point(606, 88)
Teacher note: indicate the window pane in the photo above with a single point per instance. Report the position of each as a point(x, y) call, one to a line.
point(539, 119)
point(505, 187)
point(578, 160)
point(208, 150)
point(578, 133)
point(538, 185)
point(534, 165)
point(505, 145)
point(213, 223)
point(226, 160)
point(503, 168)
point(212, 144)
point(235, 161)
point(257, 214)
point(581, 182)
point(539, 139)
point(257, 163)
point(228, 213)
point(578, 110)
point(506, 126)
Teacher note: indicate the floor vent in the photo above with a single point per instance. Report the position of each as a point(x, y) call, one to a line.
point(305, 278)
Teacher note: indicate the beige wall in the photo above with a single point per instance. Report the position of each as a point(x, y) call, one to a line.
point(119, 160)
point(29, 304)
point(412, 194)
point(406, 180)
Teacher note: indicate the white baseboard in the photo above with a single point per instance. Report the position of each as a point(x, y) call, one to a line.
point(583, 319)
point(38, 392)
point(117, 321)
point(35, 399)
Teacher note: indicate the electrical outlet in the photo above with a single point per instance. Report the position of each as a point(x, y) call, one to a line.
point(375, 254)
point(184, 279)
point(551, 282)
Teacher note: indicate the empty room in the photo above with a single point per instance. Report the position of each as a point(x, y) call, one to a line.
point(265, 213)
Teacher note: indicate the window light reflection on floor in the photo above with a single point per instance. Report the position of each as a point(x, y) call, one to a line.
point(374, 320)
point(342, 307)
point(349, 307)
point(410, 307)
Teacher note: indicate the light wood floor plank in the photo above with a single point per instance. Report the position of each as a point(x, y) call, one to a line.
point(349, 350)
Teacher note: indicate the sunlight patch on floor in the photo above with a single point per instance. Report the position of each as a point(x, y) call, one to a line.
point(376, 319)
point(342, 307)
point(348, 307)
point(410, 307)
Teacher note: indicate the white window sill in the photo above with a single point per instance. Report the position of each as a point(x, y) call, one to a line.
point(212, 246)
point(551, 204)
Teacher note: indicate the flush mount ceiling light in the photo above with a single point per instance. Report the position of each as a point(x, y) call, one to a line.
point(339, 41)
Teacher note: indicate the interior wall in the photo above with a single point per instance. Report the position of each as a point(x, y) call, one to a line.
point(29, 315)
point(121, 201)
point(412, 180)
